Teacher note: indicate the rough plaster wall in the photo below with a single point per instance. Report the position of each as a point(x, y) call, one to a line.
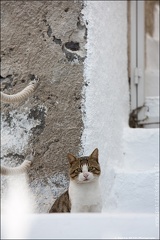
point(107, 96)
point(33, 34)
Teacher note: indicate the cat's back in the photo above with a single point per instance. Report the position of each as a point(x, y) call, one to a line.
point(62, 204)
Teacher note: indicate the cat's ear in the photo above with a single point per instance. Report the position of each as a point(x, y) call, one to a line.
point(71, 158)
point(95, 154)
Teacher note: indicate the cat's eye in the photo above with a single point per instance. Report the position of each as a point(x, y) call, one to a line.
point(92, 168)
point(77, 171)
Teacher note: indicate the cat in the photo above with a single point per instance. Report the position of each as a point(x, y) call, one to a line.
point(83, 194)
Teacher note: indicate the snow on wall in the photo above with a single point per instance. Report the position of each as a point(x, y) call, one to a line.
point(106, 91)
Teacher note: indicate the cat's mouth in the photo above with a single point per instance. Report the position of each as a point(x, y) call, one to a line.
point(86, 179)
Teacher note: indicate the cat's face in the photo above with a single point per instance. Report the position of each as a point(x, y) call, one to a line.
point(84, 169)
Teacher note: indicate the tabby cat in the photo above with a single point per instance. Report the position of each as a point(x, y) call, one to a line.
point(84, 193)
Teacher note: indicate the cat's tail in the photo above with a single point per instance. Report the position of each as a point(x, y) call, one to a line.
point(19, 169)
point(18, 97)
point(16, 170)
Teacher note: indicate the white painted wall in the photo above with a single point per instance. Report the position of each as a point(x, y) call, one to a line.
point(136, 185)
point(106, 103)
point(128, 157)
point(86, 226)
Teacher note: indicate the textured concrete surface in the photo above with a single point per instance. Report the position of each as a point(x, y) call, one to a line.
point(43, 38)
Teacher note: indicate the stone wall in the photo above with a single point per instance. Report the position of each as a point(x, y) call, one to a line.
point(47, 39)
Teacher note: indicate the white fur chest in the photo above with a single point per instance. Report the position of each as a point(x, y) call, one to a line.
point(85, 197)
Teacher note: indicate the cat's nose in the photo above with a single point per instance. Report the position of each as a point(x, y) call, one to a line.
point(85, 175)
